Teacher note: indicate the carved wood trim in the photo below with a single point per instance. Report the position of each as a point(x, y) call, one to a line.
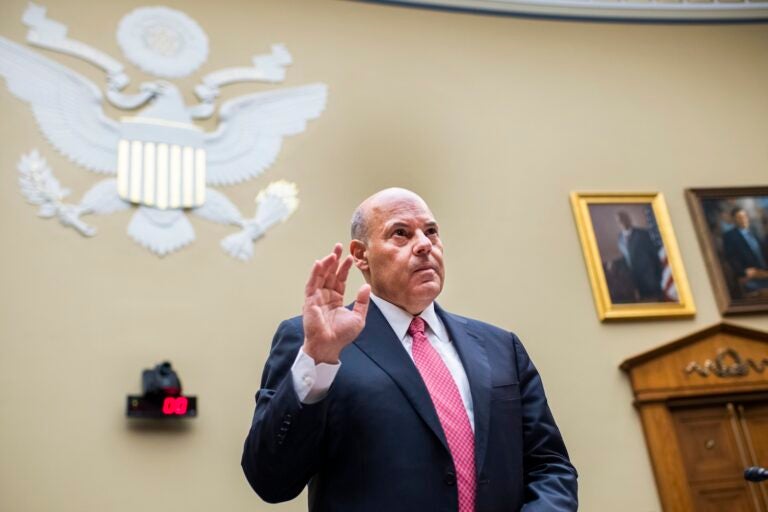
point(723, 327)
point(720, 364)
point(666, 458)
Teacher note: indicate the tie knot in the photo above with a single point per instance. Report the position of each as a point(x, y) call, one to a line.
point(417, 326)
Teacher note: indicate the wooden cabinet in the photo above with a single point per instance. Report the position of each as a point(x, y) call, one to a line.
point(714, 441)
point(703, 402)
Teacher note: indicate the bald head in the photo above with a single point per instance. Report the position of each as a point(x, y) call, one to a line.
point(381, 199)
point(397, 247)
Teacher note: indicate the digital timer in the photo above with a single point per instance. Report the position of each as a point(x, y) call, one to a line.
point(162, 407)
point(162, 396)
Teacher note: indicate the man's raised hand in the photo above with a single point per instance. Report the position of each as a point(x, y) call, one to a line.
point(328, 325)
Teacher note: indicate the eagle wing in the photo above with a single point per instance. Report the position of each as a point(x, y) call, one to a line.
point(66, 105)
point(252, 130)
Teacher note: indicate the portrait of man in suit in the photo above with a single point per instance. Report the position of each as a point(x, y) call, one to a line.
point(632, 253)
point(394, 403)
point(745, 253)
point(732, 227)
point(641, 256)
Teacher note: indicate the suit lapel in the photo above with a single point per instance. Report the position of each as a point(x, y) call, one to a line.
point(379, 342)
point(473, 356)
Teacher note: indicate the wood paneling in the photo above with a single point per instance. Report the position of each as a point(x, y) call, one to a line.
point(722, 497)
point(708, 443)
point(666, 458)
point(754, 418)
point(703, 401)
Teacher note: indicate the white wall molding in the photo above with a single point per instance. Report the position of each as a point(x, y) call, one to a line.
point(652, 10)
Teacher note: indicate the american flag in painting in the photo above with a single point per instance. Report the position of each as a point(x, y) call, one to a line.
point(667, 280)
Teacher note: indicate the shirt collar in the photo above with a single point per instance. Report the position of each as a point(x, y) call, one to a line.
point(399, 319)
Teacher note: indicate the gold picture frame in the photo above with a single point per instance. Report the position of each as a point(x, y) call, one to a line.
point(620, 232)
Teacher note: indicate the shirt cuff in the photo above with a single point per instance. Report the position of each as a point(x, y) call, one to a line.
point(312, 381)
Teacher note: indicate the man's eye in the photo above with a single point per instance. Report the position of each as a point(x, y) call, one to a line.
point(432, 232)
point(400, 232)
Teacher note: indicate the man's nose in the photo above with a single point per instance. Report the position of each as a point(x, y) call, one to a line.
point(423, 244)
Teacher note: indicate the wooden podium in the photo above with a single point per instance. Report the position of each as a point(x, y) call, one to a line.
point(703, 402)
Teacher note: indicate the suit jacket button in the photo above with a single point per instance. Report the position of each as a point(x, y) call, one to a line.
point(450, 479)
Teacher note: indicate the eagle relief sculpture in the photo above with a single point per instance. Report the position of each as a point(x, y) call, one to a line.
point(164, 164)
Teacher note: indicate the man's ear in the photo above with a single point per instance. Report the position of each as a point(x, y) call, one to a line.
point(359, 252)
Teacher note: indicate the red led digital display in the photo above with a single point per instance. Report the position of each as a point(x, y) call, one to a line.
point(175, 405)
point(161, 406)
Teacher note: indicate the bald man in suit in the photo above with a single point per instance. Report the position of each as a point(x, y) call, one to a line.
point(394, 403)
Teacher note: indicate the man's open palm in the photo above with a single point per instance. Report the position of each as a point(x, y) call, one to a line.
point(328, 325)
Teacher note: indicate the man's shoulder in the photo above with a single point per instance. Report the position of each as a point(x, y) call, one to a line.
point(641, 233)
point(500, 343)
point(295, 322)
point(477, 326)
point(291, 329)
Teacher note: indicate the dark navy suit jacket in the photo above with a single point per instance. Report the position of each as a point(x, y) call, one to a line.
point(645, 266)
point(739, 254)
point(375, 443)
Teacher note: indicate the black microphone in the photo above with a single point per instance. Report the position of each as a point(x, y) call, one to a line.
point(756, 474)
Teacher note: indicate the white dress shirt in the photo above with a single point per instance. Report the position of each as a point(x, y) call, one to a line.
point(312, 381)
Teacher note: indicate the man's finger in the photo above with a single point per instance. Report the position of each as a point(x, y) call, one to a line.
point(330, 277)
point(314, 279)
point(320, 271)
point(341, 277)
point(362, 300)
point(327, 265)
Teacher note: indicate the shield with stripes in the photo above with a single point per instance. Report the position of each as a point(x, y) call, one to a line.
point(161, 163)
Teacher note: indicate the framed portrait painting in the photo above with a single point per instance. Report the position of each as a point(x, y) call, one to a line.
point(632, 258)
point(732, 227)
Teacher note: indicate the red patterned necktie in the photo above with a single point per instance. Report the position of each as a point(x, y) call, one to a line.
point(450, 410)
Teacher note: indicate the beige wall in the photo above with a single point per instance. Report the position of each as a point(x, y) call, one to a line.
point(494, 120)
